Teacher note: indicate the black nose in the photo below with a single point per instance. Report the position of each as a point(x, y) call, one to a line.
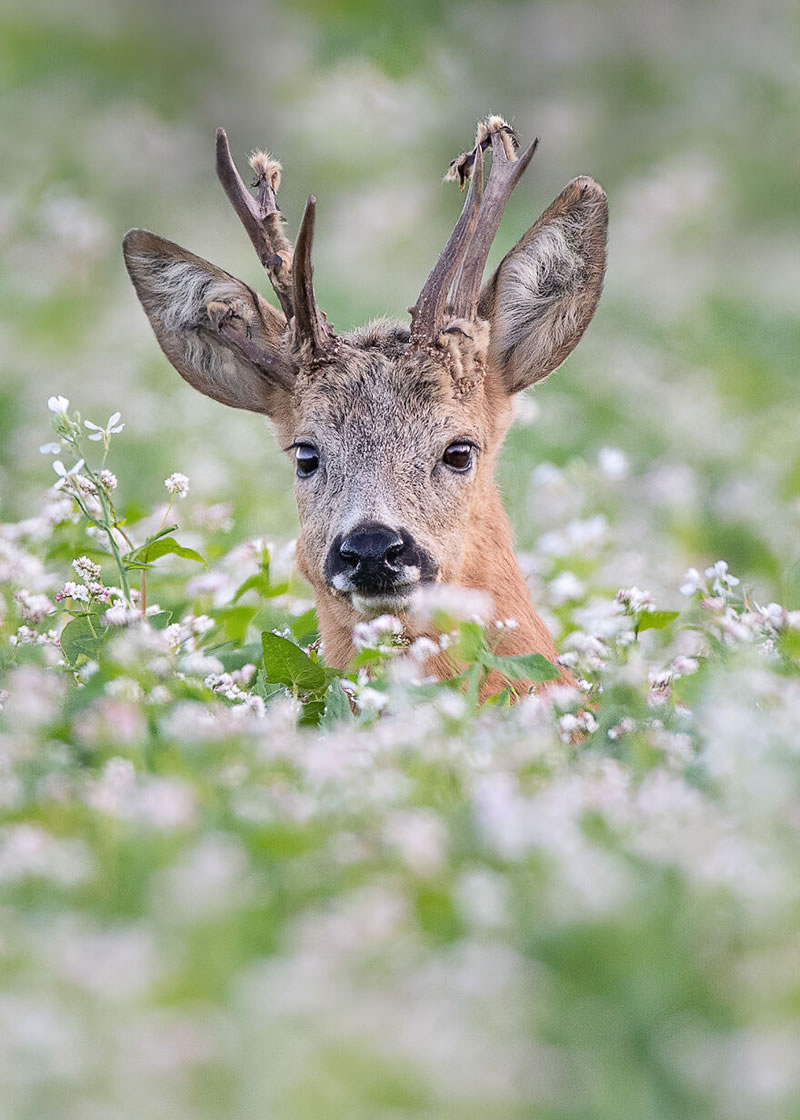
point(373, 558)
point(372, 545)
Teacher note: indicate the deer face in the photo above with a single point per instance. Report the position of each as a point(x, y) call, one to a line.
point(393, 431)
point(392, 450)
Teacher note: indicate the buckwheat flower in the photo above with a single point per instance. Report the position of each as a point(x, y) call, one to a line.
point(773, 615)
point(692, 582)
point(635, 600)
point(613, 463)
point(423, 648)
point(108, 480)
point(57, 404)
point(685, 666)
point(112, 427)
point(50, 449)
point(77, 591)
point(381, 633)
point(723, 580)
point(121, 615)
point(625, 726)
point(564, 588)
point(177, 484)
point(66, 477)
point(576, 723)
point(86, 486)
point(86, 569)
point(448, 600)
point(33, 607)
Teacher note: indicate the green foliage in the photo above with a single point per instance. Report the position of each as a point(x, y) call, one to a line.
point(285, 663)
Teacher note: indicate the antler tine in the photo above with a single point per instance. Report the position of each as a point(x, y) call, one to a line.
point(503, 177)
point(261, 218)
point(310, 324)
point(427, 312)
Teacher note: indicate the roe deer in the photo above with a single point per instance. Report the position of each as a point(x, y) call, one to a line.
point(394, 430)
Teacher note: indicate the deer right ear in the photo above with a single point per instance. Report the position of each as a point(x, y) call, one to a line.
point(544, 293)
point(219, 334)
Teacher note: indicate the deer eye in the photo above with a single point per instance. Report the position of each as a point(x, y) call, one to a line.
point(458, 456)
point(306, 459)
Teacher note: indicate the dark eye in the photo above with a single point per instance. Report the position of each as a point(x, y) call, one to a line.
point(458, 456)
point(306, 459)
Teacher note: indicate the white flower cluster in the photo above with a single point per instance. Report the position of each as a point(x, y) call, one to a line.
point(177, 484)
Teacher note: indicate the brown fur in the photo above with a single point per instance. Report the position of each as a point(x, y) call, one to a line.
point(382, 406)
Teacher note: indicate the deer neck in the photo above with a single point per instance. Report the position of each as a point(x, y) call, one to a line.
point(490, 565)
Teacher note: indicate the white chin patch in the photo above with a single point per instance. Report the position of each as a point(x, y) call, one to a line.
point(372, 605)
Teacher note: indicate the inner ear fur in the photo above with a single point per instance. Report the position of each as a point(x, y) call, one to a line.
point(544, 292)
point(218, 333)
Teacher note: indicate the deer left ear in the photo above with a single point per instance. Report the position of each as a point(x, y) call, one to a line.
point(544, 293)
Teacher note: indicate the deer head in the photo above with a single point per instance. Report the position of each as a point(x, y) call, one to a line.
point(394, 429)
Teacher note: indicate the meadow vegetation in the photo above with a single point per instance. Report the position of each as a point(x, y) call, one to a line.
point(237, 884)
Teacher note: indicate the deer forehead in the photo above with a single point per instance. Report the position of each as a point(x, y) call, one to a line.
point(391, 397)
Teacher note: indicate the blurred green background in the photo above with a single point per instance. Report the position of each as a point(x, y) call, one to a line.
point(686, 112)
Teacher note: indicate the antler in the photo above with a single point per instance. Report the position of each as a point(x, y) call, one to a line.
point(290, 273)
point(506, 172)
point(464, 257)
point(310, 324)
point(428, 311)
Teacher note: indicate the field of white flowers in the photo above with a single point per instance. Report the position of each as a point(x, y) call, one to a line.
point(236, 885)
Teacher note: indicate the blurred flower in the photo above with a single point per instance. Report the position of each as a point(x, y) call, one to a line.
point(613, 463)
point(112, 427)
point(723, 580)
point(86, 569)
point(692, 583)
point(177, 484)
point(65, 477)
point(58, 404)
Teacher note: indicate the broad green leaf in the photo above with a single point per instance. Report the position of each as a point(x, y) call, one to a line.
point(656, 620)
point(258, 582)
point(285, 663)
point(234, 621)
point(234, 657)
point(306, 627)
point(525, 666)
point(313, 711)
point(471, 642)
point(144, 556)
point(82, 636)
point(161, 620)
point(337, 705)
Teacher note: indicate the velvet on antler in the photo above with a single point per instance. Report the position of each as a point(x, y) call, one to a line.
point(453, 287)
point(290, 272)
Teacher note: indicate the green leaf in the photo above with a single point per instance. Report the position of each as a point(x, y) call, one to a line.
point(474, 679)
point(234, 620)
point(165, 532)
point(161, 620)
point(313, 711)
point(337, 706)
point(258, 582)
point(144, 556)
point(285, 663)
point(234, 657)
point(525, 666)
point(305, 627)
point(471, 642)
point(656, 620)
point(82, 636)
